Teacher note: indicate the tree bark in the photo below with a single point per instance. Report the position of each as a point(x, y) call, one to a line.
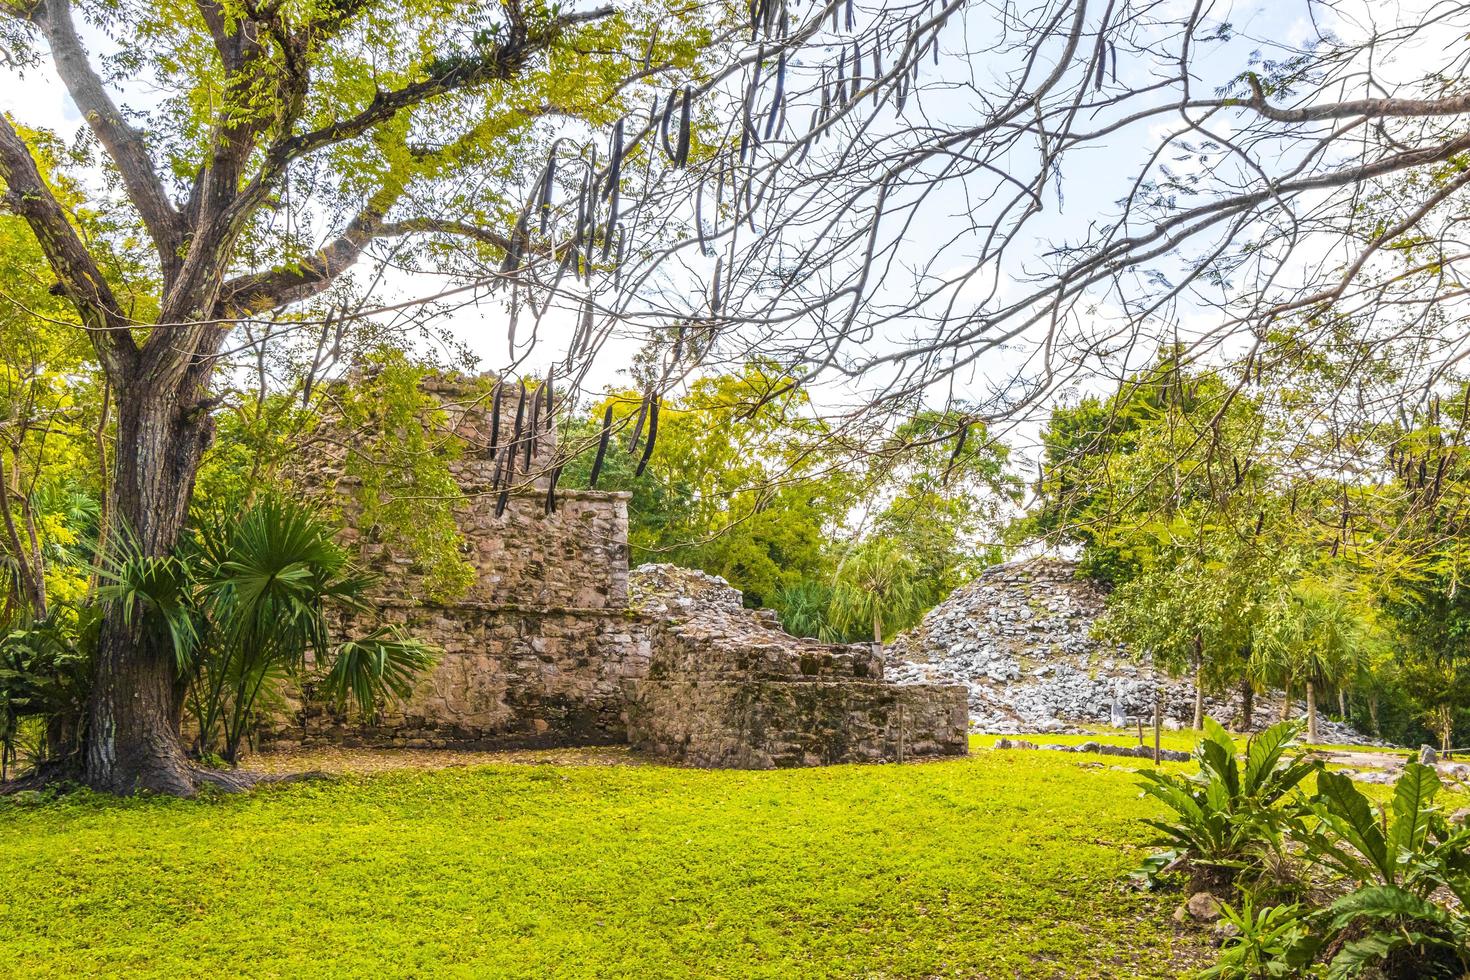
point(1312, 713)
point(1247, 704)
point(132, 740)
point(878, 629)
point(1373, 714)
point(1285, 702)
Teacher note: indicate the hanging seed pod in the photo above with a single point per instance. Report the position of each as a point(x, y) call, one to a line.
point(515, 437)
point(1236, 463)
point(516, 248)
point(652, 437)
point(515, 312)
point(618, 260)
point(607, 422)
point(500, 501)
point(528, 443)
point(681, 152)
point(495, 419)
point(715, 301)
point(550, 399)
point(663, 124)
point(551, 490)
point(1438, 478)
point(638, 425)
point(1260, 523)
point(857, 71)
point(849, 6)
point(699, 218)
point(585, 326)
point(548, 185)
point(779, 97)
point(1102, 67)
point(962, 433)
point(1113, 50)
point(1423, 470)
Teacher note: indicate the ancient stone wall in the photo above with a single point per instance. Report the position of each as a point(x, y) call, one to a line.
point(535, 654)
point(726, 688)
point(556, 644)
point(507, 677)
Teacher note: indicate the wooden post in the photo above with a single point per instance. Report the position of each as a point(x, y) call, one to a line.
point(1158, 724)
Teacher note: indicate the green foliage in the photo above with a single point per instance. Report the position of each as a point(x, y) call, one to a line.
point(877, 591)
point(597, 871)
point(249, 602)
point(44, 677)
point(1228, 820)
point(1274, 941)
point(1400, 875)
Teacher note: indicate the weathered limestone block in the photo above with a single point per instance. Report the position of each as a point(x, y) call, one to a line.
point(726, 689)
point(506, 678)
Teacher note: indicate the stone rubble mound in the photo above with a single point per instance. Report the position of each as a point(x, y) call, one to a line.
point(1019, 637)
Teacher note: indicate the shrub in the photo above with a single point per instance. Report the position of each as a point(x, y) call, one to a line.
point(1397, 901)
point(250, 601)
point(1229, 820)
point(44, 675)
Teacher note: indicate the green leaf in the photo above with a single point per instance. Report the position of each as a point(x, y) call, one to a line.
point(1412, 796)
point(1350, 814)
point(1264, 751)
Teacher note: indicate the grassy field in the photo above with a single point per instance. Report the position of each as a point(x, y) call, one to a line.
point(1002, 865)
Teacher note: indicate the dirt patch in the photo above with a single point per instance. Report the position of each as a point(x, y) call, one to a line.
point(366, 761)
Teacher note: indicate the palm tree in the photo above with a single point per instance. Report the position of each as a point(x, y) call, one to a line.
point(876, 584)
point(250, 601)
point(1318, 632)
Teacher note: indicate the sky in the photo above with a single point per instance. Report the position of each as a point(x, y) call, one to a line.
point(1089, 187)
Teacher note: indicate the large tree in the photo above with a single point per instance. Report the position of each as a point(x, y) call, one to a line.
point(274, 145)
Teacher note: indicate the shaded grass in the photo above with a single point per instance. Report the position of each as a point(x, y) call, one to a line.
point(1002, 865)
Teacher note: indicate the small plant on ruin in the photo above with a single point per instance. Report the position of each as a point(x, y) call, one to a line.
point(1228, 819)
point(250, 602)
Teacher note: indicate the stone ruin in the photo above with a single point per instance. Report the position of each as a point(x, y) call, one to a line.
point(557, 643)
point(1019, 638)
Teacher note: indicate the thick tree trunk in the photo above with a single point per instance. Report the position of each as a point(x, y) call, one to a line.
point(132, 740)
point(1312, 713)
point(1247, 704)
point(1285, 702)
point(1342, 705)
point(1373, 714)
point(878, 629)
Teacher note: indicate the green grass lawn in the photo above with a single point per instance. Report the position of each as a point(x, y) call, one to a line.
point(1006, 864)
